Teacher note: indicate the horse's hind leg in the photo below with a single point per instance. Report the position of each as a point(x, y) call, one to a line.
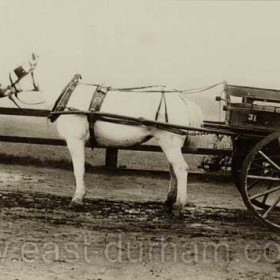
point(171, 145)
point(172, 192)
point(77, 151)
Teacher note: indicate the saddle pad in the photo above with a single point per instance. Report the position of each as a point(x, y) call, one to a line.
point(81, 97)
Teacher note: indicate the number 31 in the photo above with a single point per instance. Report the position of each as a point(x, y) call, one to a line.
point(252, 117)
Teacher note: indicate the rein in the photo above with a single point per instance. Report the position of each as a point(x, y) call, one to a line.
point(23, 102)
point(29, 103)
point(139, 89)
point(16, 91)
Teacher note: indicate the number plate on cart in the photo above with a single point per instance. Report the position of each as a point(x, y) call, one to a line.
point(254, 119)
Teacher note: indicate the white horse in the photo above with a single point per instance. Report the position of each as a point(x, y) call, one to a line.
point(75, 130)
point(137, 104)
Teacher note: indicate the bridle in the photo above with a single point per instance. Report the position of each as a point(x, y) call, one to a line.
point(17, 75)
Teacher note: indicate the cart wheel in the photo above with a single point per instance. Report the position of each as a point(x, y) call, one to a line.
point(260, 181)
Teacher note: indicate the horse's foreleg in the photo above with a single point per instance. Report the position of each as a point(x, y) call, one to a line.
point(77, 151)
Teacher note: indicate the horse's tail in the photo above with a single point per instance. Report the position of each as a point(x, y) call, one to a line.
point(195, 119)
point(195, 115)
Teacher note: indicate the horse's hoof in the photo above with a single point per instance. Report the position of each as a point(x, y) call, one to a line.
point(178, 211)
point(168, 206)
point(190, 205)
point(75, 205)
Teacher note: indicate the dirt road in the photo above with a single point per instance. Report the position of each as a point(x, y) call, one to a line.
point(122, 231)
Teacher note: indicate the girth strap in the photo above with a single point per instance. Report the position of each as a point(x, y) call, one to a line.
point(95, 106)
point(97, 99)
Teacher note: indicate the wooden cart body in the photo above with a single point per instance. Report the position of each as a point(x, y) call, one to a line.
point(258, 110)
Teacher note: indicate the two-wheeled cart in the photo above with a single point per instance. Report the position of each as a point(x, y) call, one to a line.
point(253, 116)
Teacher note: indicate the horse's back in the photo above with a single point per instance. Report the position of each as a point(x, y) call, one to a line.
point(174, 110)
point(171, 108)
point(132, 104)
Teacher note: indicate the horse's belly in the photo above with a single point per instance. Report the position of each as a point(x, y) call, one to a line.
point(116, 135)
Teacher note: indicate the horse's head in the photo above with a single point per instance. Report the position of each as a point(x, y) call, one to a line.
point(21, 79)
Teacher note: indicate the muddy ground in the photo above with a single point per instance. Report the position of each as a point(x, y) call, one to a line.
point(123, 232)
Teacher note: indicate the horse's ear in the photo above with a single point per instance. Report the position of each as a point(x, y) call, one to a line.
point(35, 59)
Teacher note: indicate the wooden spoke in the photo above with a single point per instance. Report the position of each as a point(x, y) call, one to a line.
point(264, 193)
point(257, 167)
point(269, 160)
point(277, 200)
point(260, 168)
point(267, 178)
point(252, 185)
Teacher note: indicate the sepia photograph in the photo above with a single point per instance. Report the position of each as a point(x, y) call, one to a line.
point(139, 140)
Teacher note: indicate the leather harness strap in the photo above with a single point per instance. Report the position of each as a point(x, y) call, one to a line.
point(95, 106)
point(64, 97)
point(162, 100)
point(97, 99)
